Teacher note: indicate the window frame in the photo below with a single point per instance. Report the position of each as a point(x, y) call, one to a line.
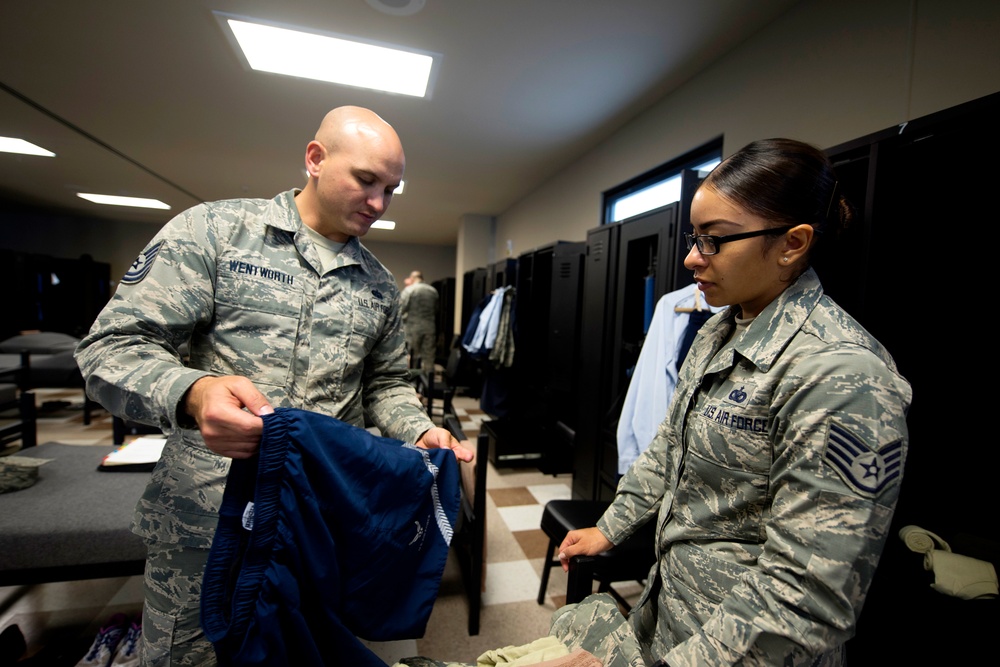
point(708, 151)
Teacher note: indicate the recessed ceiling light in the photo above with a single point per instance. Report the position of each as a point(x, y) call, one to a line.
point(114, 200)
point(397, 7)
point(383, 224)
point(12, 145)
point(331, 58)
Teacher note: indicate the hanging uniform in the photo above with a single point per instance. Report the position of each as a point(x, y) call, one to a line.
point(655, 376)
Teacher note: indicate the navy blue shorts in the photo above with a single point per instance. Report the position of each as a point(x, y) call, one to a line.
point(348, 537)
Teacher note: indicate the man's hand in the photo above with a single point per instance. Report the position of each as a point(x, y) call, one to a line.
point(583, 542)
point(442, 438)
point(216, 404)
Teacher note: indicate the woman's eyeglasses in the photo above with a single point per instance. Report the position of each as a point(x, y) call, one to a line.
point(709, 245)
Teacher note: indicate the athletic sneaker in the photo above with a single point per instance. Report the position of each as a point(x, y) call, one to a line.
point(127, 654)
point(105, 643)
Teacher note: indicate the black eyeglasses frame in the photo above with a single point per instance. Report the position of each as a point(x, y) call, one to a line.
point(693, 240)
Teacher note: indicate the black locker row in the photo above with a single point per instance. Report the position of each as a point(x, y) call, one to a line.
point(446, 318)
point(580, 308)
point(52, 294)
point(921, 188)
point(624, 261)
point(538, 390)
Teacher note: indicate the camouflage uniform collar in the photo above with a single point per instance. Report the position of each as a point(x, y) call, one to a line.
point(769, 333)
point(287, 218)
point(354, 253)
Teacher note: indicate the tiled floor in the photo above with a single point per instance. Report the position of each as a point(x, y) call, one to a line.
point(515, 555)
point(71, 612)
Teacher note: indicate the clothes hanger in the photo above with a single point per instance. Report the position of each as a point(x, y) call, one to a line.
point(690, 309)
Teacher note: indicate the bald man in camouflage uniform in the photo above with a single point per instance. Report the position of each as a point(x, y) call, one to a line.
point(773, 481)
point(419, 305)
point(281, 305)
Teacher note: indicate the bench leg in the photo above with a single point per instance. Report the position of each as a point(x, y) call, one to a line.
point(580, 581)
point(547, 565)
point(29, 423)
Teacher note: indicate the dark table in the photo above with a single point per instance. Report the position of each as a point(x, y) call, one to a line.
point(73, 523)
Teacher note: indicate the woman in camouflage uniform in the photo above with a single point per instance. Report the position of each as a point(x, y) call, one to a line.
point(775, 475)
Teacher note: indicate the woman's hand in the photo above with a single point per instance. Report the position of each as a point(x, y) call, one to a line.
point(582, 542)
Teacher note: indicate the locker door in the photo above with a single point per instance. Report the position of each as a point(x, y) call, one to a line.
point(596, 329)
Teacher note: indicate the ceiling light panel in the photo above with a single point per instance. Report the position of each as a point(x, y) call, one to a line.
point(22, 147)
point(331, 58)
point(115, 200)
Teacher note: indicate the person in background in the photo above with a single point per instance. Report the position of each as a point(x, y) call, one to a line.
point(281, 306)
point(774, 477)
point(419, 304)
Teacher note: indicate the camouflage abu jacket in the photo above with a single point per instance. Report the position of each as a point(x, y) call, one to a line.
point(419, 303)
point(773, 481)
point(239, 281)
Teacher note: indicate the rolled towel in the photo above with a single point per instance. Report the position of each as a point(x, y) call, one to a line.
point(920, 540)
point(954, 574)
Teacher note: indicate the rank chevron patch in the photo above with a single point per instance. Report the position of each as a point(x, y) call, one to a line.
point(866, 471)
point(141, 266)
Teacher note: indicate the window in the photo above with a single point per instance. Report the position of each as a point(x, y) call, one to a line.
point(660, 186)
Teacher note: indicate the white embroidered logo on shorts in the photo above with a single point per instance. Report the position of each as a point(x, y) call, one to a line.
point(248, 516)
point(420, 531)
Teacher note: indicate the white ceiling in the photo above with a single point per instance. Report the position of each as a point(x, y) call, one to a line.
point(147, 97)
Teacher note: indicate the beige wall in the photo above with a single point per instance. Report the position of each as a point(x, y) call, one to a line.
point(120, 242)
point(476, 240)
point(434, 261)
point(827, 72)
